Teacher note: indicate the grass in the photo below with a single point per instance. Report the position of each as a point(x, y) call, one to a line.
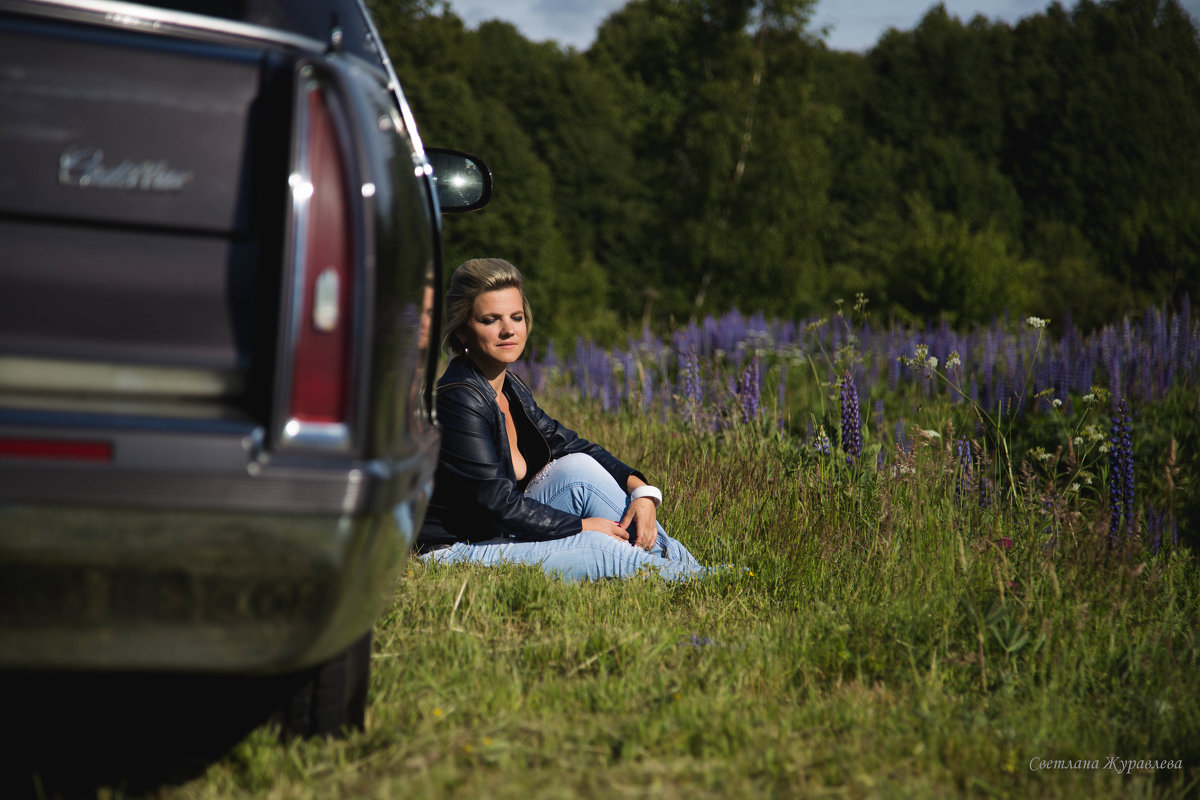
point(874, 638)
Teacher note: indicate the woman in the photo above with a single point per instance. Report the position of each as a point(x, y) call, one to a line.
point(513, 484)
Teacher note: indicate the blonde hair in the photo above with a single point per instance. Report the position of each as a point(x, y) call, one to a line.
point(471, 279)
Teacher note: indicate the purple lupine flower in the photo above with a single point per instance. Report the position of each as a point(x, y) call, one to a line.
point(748, 391)
point(1161, 525)
point(821, 442)
point(781, 397)
point(962, 476)
point(1120, 472)
point(689, 379)
point(985, 492)
point(851, 421)
point(1127, 466)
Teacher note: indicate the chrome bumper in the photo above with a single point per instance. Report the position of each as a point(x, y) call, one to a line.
point(121, 588)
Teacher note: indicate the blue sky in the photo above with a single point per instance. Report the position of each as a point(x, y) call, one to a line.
point(853, 24)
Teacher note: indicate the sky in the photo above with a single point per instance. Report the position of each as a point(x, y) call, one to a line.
point(853, 24)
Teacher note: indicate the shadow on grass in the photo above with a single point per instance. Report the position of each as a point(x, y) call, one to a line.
point(129, 734)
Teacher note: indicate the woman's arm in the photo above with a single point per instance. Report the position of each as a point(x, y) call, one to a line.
point(641, 517)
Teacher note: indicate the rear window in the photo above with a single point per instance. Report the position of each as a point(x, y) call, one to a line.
point(314, 19)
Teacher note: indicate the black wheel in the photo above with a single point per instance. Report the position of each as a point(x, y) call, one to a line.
point(331, 699)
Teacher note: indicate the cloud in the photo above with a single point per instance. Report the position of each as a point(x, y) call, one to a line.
point(854, 24)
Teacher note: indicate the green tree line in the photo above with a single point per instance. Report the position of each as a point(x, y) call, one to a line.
point(703, 155)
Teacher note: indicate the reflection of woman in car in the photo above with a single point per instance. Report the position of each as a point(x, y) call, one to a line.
point(513, 484)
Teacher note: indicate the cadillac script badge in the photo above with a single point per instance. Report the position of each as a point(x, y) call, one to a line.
point(84, 168)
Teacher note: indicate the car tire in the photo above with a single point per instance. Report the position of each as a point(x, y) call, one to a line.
point(331, 698)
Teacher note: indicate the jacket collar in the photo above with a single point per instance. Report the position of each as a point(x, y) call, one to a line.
point(462, 369)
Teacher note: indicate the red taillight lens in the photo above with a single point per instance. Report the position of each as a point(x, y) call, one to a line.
point(56, 449)
point(320, 367)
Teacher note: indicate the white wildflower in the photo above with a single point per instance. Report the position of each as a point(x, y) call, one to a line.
point(1037, 323)
point(931, 362)
point(953, 360)
point(1040, 454)
point(1057, 403)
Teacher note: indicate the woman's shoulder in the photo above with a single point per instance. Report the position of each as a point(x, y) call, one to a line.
point(461, 381)
point(460, 370)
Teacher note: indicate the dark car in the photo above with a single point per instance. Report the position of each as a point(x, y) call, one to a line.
point(219, 277)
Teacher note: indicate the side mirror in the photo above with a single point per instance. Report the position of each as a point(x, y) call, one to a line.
point(462, 182)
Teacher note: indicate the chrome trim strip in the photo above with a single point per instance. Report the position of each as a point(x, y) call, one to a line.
point(292, 290)
point(147, 19)
point(315, 435)
point(385, 60)
point(35, 375)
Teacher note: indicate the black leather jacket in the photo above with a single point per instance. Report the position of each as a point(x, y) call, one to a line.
point(476, 494)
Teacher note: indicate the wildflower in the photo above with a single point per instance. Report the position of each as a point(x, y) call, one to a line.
point(963, 475)
point(748, 391)
point(1057, 403)
point(985, 492)
point(822, 444)
point(1037, 323)
point(693, 395)
point(953, 360)
point(931, 362)
point(851, 421)
point(1006, 543)
point(1040, 454)
point(1120, 474)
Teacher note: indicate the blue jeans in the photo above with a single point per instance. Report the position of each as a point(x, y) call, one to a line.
point(577, 484)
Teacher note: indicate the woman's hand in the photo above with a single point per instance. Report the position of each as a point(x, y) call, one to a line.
point(642, 515)
point(606, 526)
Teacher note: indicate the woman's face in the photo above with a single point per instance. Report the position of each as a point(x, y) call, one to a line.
point(495, 333)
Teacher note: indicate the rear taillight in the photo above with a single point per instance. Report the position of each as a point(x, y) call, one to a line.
point(56, 449)
point(320, 328)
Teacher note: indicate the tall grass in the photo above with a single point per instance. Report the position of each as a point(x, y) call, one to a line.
point(878, 632)
point(873, 638)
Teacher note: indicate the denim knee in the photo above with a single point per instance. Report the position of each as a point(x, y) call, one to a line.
point(588, 468)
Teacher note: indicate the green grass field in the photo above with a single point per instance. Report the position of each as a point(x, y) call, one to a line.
point(873, 638)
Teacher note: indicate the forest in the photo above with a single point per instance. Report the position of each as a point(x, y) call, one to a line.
point(709, 155)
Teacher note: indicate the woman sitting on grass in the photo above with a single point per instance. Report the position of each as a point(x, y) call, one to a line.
point(514, 485)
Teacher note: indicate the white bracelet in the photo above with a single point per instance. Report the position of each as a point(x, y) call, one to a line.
point(647, 491)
